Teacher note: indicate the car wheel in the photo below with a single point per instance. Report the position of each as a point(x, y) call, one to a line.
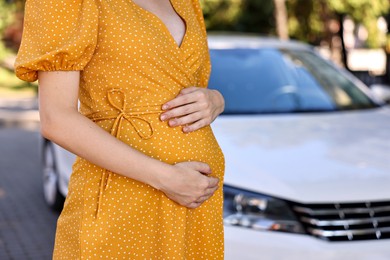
point(53, 197)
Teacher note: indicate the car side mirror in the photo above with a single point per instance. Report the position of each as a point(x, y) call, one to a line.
point(381, 92)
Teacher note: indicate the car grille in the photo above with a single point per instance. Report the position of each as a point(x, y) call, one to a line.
point(346, 221)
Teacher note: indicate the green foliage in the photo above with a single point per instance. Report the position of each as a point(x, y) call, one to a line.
point(239, 15)
point(261, 19)
point(308, 19)
point(360, 10)
point(365, 12)
point(221, 14)
point(6, 18)
point(6, 14)
point(304, 20)
point(10, 85)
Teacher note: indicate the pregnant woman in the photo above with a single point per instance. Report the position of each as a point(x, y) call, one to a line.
point(147, 182)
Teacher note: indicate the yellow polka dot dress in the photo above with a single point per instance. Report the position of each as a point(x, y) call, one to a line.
point(130, 65)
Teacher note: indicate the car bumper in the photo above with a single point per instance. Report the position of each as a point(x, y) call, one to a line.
point(246, 244)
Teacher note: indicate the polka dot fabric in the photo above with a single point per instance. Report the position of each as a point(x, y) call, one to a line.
point(130, 65)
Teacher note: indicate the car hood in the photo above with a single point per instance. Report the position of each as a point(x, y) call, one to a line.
point(309, 158)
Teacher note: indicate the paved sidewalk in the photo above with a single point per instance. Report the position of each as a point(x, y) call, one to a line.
point(27, 225)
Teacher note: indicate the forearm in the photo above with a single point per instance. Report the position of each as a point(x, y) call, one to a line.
point(84, 138)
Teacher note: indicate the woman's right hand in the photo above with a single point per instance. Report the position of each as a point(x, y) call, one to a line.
point(190, 186)
point(186, 183)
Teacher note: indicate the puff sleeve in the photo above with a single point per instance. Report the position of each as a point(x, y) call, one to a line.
point(57, 36)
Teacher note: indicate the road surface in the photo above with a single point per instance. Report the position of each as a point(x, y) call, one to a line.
point(27, 226)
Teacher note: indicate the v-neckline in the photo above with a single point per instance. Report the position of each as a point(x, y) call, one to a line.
point(163, 25)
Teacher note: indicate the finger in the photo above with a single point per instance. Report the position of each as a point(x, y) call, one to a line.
point(202, 199)
point(194, 205)
point(213, 182)
point(189, 90)
point(201, 167)
point(188, 119)
point(195, 126)
point(205, 197)
point(210, 192)
point(180, 101)
point(180, 111)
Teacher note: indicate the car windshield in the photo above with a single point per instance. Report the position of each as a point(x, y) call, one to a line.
point(282, 81)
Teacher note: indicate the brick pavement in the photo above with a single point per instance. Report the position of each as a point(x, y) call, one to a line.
point(27, 226)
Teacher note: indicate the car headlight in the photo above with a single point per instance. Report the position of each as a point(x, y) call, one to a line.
point(260, 212)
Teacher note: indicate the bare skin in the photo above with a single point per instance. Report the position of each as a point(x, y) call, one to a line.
point(187, 183)
point(165, 12)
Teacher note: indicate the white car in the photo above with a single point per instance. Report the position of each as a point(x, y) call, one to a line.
point(307, 150)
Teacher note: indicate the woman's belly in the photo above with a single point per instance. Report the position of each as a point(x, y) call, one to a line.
point(145, 212)
point(135, 120)
point(153, 137)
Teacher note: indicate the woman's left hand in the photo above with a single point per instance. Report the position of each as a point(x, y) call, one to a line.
point(193, 108)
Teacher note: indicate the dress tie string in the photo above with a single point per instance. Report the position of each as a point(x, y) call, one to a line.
point(132, 116)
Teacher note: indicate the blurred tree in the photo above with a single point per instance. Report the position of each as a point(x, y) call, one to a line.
point(6, 18)
point(6, 14)
point(365, 12)
point(221, 14)
point(11, 32)
point(239, 15)
point(281, 19)
point(313, 21)
point(19, 4)
point(321, 22)
point(308, 20)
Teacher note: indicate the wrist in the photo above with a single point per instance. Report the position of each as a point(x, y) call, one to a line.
point(160, 176)
point(219, 100)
